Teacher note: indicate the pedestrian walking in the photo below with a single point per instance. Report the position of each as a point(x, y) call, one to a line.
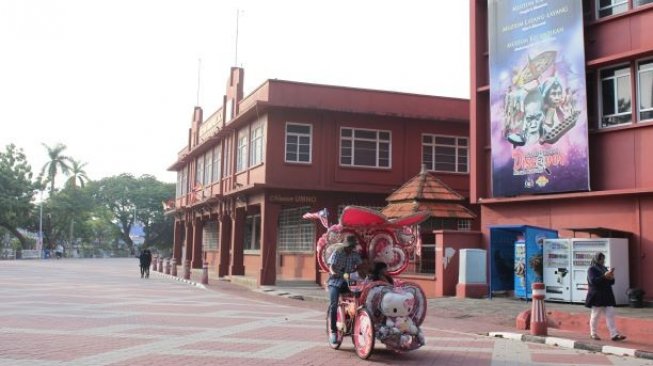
point(145, 259)
point(600, 297)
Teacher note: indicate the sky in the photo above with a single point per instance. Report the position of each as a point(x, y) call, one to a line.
point(116, 81)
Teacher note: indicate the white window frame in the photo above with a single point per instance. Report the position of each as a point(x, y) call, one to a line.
point(256, 144)
point(256, 230)
point(299, 136)
point(241, 152)
point(457, 147)
point(648, 68)
point(216, 173)
point(613, 4)
point(378, 141)
point(464, 225)
point(290, 233)
point(199, 171)
point(208, 167)
point(615, 78)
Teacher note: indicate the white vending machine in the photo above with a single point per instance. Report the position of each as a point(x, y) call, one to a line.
point(566, 262)
point(557, 269)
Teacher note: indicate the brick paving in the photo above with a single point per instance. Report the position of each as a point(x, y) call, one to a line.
point(100, 312)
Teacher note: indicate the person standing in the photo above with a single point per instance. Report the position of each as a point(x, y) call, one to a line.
point(343, 261)
point(145, 261)
point(600, 297)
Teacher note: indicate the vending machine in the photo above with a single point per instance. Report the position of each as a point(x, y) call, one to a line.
point(557, 269)
point(616, 256)
point(566, 262)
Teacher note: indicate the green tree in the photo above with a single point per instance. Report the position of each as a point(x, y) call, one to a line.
point(16, 191)
point(68, 214)
point(77, 174)
point(157, 227)
point(57, 163)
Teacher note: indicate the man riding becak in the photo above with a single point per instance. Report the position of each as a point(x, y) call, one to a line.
point(343, 261)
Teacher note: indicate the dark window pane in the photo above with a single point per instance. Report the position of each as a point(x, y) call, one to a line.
point(298, 129)
point(384, 162)
point(362, 134)
point(624, 103)
point(345, 132)
point(291, 139)
point(304, 157)
point(304, 140)
point(445, 140)
point(304, 149)
point(607, 96)
point(427, 139)
point(445, 167)
point(291, 156)
point(346, 143)
point(384, 136)
point(345, 160)
point(462, 142)
point(365, 157)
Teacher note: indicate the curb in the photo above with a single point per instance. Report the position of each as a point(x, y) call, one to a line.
point(288, 294)
point(192, 283)
point(570, 343)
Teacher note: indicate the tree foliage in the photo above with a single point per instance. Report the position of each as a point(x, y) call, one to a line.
point(57, 162)
point(16, 191)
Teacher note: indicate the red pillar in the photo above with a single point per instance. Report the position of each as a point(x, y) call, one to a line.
point(178, 240)
point(538, 315)
point(269, 219)
point(225, 244)
point(197, 258)
point(237, 237)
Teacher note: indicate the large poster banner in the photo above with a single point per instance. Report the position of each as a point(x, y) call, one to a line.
point(537, 97)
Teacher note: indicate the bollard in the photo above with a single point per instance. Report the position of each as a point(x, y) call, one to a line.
point(173, 270)
point(167, 271)
point(161, 264)
point(155, 261)
point(538, 315)
point(187, 269)
point(205, 273)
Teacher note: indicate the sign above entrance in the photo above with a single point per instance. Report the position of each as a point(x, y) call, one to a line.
point(280, 198)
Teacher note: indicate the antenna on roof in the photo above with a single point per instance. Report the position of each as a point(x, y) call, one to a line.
point(199, 69)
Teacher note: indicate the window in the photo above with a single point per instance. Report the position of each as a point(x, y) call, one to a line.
point(643, 2)
point(208, 166)
point(294, 233)
point(252, 239)
point(229, 111)
point(445, 153)
point(615, 97)
point(241, 154)
point(256, 144)
point(217, 163)
point(365, 148)
point(464, 225)
point(611, 7)
point(180, 177)
point(184, 181)
point(210, 237)
point(199, 170)
point(645, 86)
point(298, 143)
point(228, 163)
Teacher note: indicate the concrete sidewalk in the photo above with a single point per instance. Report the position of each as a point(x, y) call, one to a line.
point(568, 323)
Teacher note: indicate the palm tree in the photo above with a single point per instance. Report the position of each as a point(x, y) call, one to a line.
point(57, 162)
point(77, 173)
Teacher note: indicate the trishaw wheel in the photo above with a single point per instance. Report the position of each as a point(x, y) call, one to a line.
point(363, 335)
point(328, 330)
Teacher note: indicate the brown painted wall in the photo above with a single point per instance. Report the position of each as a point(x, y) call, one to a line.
point(296, 266)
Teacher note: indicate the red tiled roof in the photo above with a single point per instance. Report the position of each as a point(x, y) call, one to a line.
point(425, 186)
point(437, 209)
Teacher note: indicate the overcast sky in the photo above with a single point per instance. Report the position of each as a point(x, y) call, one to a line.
point(116, 81)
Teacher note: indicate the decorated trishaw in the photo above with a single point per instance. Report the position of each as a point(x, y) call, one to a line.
point(376, 310)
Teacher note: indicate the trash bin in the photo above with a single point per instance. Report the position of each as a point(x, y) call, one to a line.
point(636, 297)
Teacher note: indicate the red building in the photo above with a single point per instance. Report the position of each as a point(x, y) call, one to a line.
point(251, 169)
point(619, 73)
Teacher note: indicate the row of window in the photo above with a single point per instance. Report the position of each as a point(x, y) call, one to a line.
point(605, 8)
point(358, 148)
point(373, 148)
point(616, 106)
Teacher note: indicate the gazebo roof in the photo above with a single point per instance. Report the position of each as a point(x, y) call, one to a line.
point(425, 192)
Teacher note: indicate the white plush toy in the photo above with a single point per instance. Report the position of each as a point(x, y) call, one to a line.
point(398, 308)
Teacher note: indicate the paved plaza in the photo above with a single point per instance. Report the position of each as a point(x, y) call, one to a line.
point(100, 312)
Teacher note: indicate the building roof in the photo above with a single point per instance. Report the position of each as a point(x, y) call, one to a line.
point(425, 192)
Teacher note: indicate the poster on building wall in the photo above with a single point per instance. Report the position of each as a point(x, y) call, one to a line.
point(537, 97)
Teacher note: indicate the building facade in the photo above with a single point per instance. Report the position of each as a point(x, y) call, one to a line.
point(250, 170)
point(618, 69)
